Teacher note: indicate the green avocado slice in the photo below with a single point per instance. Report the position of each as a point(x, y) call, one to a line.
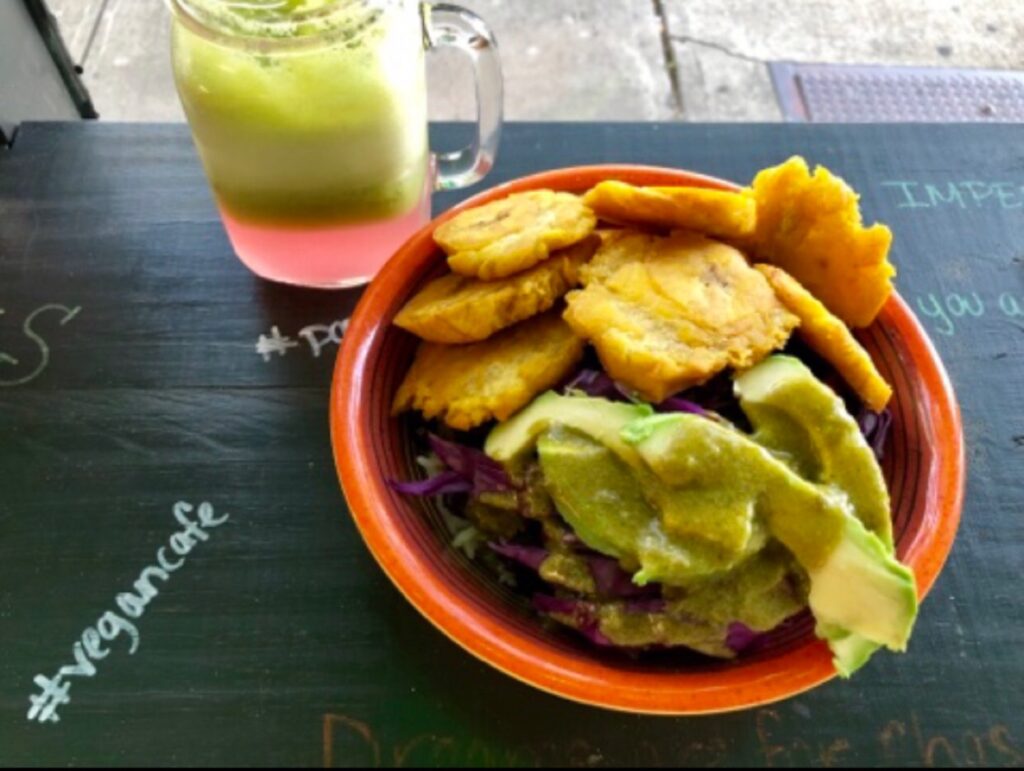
point(859, 593)
point(600, 418)
point(803, 421)
point(608, 505)
point(724, 525)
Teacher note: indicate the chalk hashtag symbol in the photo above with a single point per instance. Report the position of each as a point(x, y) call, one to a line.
point(276, 343)
point(45, 704)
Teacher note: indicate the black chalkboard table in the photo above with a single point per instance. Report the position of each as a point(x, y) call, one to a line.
point(144, 372)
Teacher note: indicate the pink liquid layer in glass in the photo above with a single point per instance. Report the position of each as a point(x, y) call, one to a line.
point(328, 257)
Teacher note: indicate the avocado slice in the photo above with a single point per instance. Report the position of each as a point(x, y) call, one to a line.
point(725, 517)
point(862, 599)
point(803, 421)
point(607, 504)
point(723, 520)
point(610, 508)
point(600, 418)
point(859, 593)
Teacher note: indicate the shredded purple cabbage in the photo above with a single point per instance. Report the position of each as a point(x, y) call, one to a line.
point(486, 475)
point(600, 384)
point(530, 556)
point(612, 581)
point(875, 426)
point(740, 638)
point(592, 631)
point(594, 383)
point(469, 470)
point(445, 483)
point(678, 404)
point(545, 603)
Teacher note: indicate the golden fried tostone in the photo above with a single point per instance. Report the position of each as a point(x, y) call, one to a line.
point(831, 338)
point(810, 226)
point(714, 212)
point(457, 309)
point(505, 237)
point(668, 313)
point(467, 385)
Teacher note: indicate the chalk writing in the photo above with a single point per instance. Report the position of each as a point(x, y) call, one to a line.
point(350, 742)
point(987, 747)
point(1011, 306)
point(275, 343)
point(945, 310)
point(966, 194)
point(316, 336)
point(799, 751)
point(321, 335)
point(53, 691)
point(41, 344)
point(361, 748)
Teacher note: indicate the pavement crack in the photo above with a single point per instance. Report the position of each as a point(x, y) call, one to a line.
point(92, 33)
point(669, 52)
point(684, 39)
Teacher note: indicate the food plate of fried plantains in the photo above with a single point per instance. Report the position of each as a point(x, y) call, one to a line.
point(666, 421)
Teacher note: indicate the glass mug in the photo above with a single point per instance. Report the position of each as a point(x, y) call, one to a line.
point(310, 117)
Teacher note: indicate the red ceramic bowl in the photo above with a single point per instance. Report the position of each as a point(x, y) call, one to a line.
point(924, 468)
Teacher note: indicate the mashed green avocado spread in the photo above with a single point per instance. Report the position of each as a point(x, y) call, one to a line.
point(737, 528)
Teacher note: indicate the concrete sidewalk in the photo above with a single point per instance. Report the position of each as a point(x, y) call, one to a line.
point(602, 59)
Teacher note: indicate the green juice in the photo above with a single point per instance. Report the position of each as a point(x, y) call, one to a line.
point(306, 112)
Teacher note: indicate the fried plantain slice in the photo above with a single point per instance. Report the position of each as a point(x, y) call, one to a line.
point(713, 212)
point(457, 309)
point(667, 313)
point(467, 385)
point(618, 248)
point(830, 338)
point(811, 227)
point(513, 234)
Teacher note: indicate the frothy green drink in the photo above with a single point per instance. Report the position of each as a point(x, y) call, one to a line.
point(306, 112)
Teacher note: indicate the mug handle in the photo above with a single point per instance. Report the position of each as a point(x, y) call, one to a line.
point(455, 27)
